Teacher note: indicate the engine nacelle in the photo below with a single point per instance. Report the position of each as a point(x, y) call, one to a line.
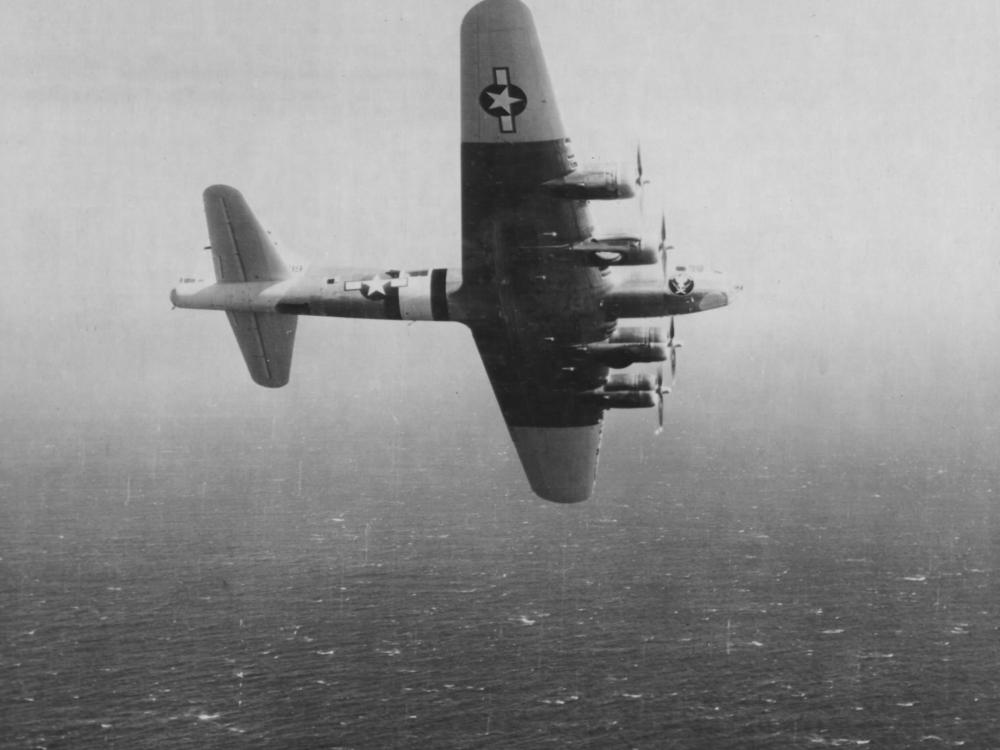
point(626, 346)
point(619, 251)
point(630, 382)
point(627, 391)
point(608, 182)
point(638, 335)
point(629, 400)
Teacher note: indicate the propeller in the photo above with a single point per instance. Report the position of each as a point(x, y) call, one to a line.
point(661, 390)
point(663, 246)
point(673, 345)
point(640, 181)
point(660, 393)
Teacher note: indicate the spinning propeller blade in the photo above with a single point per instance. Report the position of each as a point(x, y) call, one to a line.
point(662, 390)
point(640, 183)
point(664, 247)
point(674, 345)
point(659, 400)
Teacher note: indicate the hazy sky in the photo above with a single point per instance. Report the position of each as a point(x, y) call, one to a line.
point(841, 158)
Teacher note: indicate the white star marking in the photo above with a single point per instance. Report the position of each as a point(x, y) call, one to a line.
point(503, 100)
point(374, 288)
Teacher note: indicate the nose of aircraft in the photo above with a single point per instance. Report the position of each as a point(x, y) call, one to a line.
point(721, 291)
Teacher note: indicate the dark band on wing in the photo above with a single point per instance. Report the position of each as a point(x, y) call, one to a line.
point(392, 311)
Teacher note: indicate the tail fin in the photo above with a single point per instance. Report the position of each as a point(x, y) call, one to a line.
point(243, 252)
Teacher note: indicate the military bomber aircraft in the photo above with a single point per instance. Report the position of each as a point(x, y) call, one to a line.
point(543, 297)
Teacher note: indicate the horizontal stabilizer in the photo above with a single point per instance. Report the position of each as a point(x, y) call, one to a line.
point(242, 250)
point(266, 340)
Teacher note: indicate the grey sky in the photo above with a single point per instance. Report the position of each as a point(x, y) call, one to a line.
point(840, 157)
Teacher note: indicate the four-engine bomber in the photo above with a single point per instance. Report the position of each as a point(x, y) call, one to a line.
point(541, 294)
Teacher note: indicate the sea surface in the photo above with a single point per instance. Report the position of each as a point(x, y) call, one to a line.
point(178, 584)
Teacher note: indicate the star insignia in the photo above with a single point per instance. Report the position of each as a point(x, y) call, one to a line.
point(503, 100)
point(374, 288)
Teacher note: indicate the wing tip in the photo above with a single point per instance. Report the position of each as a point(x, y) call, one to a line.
point(560, 462)
point(270, 383)
point(563, 496)
point(499, 10)
point(221, 191)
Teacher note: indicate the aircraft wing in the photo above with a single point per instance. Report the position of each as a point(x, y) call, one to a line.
point(512, 139)
point(554, 425)
point(512, 142)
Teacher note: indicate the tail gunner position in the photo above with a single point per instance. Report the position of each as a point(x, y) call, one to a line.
point(543, 297)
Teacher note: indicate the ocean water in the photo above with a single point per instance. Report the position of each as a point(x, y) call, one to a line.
point(179, 585)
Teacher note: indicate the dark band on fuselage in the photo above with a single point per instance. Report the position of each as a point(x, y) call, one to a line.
point(392, 311)
point(439, 294)
point(392, 307)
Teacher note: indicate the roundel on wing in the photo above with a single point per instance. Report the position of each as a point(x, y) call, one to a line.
point(681, 284)
point(502, 100)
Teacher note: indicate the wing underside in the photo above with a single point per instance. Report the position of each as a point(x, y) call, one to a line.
point(512, 142)
point(546, 399)
point(512, 139)
point(560, 462)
